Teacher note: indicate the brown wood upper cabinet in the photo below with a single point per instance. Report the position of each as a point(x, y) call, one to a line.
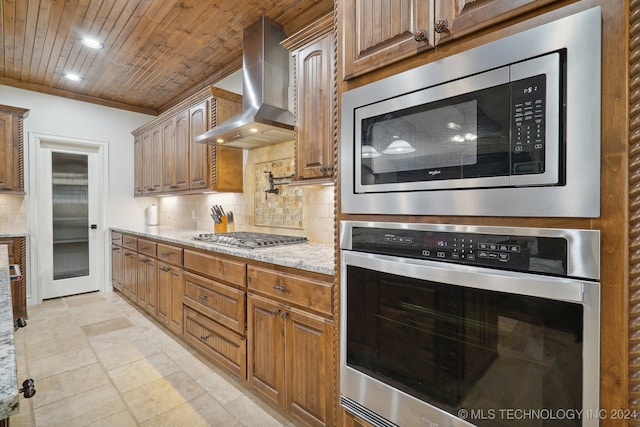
point(379, 32)
point(168, 161)
point(12, 149)
point(313, 52)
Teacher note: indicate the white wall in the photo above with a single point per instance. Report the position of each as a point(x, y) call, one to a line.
point(63, 117)
point(75, 120)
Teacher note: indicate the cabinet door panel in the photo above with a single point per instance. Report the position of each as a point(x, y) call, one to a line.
point(265, 351)
point(176, 308)
point(314, 113)
point(152, 286)
point(142, 289)
point(6, 152)
point(380, 32)
point(130, 282)
point(309, 346)
point(164, 292)
point(465, 16)
point(198, 124)
point(168, 153)
point(156, 159)
point(138, 162)
point(116, 267)
point(181, 159)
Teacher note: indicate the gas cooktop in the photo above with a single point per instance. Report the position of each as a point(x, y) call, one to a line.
point(249, 240)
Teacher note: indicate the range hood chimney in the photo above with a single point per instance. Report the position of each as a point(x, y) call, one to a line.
point(265, 118)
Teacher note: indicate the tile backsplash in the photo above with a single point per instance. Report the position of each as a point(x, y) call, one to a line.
point(297, 210)
point(282, 208)
point(13, 216)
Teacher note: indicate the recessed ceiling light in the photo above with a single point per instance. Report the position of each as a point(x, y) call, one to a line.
point(92, 43)
point(73, 77)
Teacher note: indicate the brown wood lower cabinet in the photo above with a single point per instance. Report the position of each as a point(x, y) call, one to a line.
point(290, 359)
point(16, 247)
point(170, 290)
point(350, 420)
point(130, 274)
point(116, 266)
point(221, 345)
point(272, 327)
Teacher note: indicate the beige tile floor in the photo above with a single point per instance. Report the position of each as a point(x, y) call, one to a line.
point(99, 361)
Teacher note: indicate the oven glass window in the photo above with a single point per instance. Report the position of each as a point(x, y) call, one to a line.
point(460, 137)
point(463, 348)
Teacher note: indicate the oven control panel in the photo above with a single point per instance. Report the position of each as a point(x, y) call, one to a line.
point(520, 253)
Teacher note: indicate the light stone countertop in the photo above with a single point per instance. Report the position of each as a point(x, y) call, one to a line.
point(9, 397)
point(12, 234)
point(303, 256)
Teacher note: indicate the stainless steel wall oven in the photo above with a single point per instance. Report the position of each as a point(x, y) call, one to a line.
point(454, 325)
point(511, 128)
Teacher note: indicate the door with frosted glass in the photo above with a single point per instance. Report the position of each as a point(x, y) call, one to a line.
point(69, 204)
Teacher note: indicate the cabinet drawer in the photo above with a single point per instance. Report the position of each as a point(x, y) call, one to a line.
point(216, 268)
point(221, 303)
point(116, 238)
point(147, 247)
point(169, 254)
point(216, 342)
point(130, 242)
point(304, 292)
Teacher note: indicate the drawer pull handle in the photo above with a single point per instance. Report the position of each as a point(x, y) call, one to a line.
point(165, 269)
point(204, 338)
point(165, 254)
point(280, 288)
point(144, 248)
point(203, 297)
point(145, 260)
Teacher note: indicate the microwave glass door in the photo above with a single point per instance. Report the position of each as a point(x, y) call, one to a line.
point(461, 347)
point(486, 130)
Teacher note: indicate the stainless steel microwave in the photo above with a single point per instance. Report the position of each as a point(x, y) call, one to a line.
point(510, 128)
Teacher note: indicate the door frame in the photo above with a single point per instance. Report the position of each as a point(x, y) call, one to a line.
point(36, 140)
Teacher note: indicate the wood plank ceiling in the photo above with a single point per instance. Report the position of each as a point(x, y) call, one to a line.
point(156, 52)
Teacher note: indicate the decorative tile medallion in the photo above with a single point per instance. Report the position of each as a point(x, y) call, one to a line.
point(284, 209)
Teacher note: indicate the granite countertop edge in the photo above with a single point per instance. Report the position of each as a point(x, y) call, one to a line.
point(5, 234)
point(303, 256)
point(9, 396)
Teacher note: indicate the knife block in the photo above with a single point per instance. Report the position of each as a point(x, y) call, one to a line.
point(222, 227)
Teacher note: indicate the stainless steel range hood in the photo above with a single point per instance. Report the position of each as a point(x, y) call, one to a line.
point(265, 118)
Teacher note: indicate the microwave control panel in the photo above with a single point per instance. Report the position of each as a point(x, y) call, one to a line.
point(519, 253)
point(528, 99)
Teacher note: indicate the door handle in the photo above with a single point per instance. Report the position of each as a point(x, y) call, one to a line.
point(94, 226)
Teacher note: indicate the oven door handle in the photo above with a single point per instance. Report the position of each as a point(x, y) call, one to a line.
point(536, 285)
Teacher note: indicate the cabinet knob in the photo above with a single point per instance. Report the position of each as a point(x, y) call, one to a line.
point(276, 312)
point(420, 35)
point(19, 323)
point(442, 26)
point(28, 388)
point(284, 314)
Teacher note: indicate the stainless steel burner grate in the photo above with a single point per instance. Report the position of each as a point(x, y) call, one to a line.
point(249, 240)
